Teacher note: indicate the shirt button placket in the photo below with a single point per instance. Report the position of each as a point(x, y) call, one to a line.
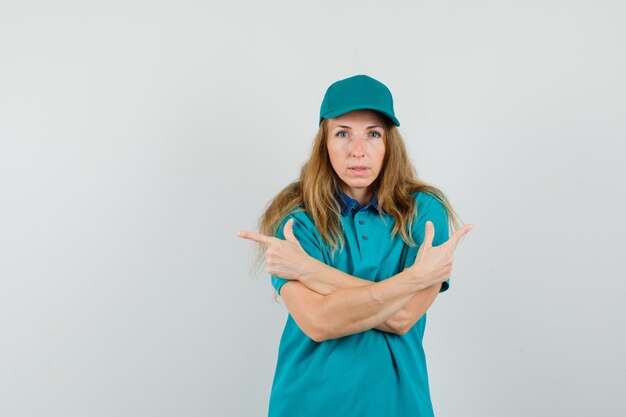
point(362, 232)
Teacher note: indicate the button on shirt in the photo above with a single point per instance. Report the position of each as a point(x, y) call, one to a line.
point(371, 373)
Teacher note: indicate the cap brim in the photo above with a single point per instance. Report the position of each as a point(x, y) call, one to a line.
point(337, 113)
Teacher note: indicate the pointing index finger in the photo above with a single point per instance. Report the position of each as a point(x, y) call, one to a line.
point(458, 235)
point(257, 237)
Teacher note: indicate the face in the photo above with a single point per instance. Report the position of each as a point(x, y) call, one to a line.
point(356, 150)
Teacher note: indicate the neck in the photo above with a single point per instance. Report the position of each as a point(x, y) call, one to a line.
point(362, 195)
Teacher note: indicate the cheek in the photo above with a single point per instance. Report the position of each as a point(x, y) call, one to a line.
point(333, 156)
point(336, 152)
point(380, 155)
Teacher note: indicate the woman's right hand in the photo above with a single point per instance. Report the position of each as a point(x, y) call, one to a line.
point(285, 258)
point(433, 264)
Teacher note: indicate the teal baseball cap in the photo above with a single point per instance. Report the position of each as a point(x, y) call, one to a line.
point(358, 92)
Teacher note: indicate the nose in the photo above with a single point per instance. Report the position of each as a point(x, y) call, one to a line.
point(358, 149)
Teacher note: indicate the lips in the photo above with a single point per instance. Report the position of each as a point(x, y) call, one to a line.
point(359, 171)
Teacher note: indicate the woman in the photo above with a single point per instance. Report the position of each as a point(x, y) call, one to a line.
point(345, 260)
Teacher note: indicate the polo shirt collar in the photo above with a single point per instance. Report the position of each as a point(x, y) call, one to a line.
point(348, 204)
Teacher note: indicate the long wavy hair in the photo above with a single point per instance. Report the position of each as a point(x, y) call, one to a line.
point(314, 193)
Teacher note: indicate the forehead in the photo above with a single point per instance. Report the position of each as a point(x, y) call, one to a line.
point(357, 117)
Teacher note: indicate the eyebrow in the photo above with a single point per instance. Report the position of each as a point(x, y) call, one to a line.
point(348, 127)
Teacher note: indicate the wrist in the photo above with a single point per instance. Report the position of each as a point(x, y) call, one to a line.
point(416, 277)
point(311, 270)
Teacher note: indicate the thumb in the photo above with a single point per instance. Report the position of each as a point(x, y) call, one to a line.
point(288, 231)
point(429, 234)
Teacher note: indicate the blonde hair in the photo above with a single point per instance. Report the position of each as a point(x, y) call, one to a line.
point(314, 193)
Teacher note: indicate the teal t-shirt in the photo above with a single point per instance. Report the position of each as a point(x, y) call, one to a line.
point(371, 373)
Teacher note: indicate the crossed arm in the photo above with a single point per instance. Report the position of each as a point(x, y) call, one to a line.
point(324, 280)
point(327, 303)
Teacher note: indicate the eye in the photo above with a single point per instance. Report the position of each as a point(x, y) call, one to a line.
point(342, 134)
point(375, 134)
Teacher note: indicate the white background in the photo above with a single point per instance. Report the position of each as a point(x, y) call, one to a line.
point(137, 137)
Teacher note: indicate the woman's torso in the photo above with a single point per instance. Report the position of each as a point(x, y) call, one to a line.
point(371, 373)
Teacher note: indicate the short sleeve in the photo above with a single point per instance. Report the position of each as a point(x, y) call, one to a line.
point(435, 211)
point(307, 239)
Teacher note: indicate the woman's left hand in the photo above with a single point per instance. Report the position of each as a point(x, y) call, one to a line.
point(285, 258)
